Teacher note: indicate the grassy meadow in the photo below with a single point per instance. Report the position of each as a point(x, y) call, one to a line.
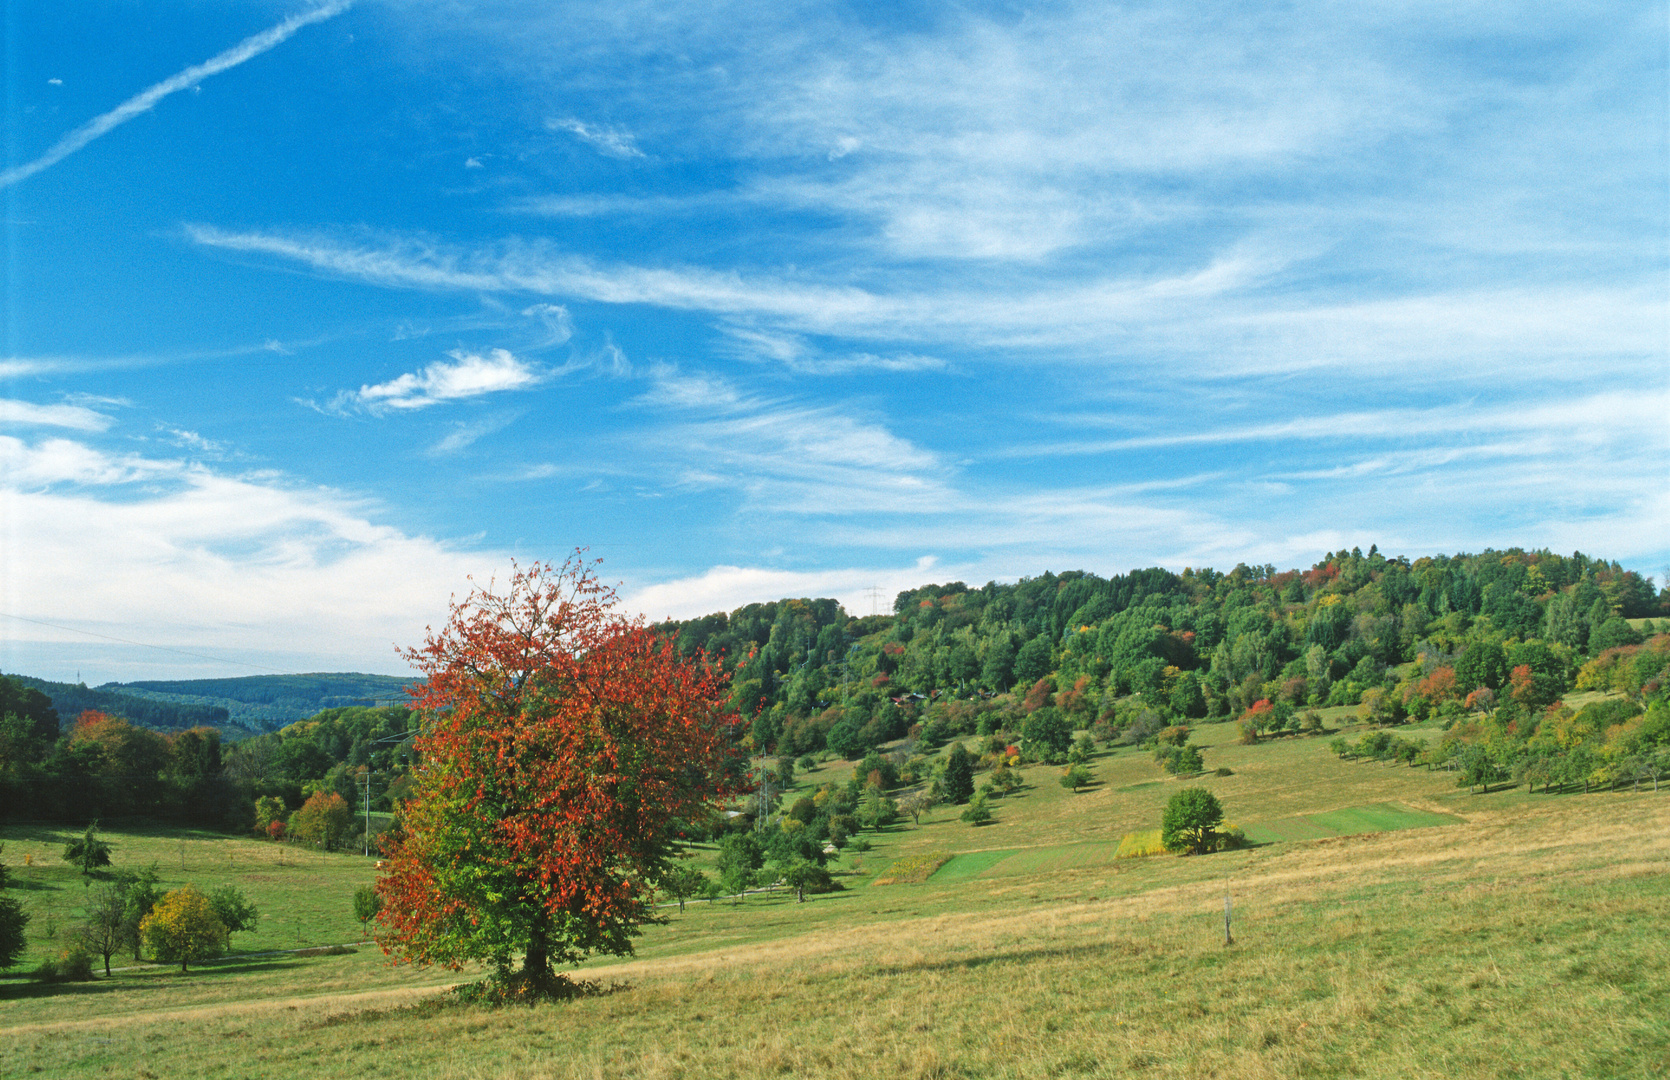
point(1386, 924)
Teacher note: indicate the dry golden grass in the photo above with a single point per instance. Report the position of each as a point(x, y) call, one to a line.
point(1529, 941)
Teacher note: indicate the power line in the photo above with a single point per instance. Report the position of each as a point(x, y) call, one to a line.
point(147, 645)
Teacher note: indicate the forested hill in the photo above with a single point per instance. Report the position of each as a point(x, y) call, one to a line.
point(1196, 644)
point(262, 702)
point(70, 700)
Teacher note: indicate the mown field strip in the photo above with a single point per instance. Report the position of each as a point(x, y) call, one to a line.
point(1347, 821)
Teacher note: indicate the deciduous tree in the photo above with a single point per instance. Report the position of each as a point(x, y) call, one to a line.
point(234, 910)
point(322, 821)
point(183, 926)
point(564, 751)
point(366, 905)
point(1191, 818)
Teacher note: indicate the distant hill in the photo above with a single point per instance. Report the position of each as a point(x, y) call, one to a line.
point(266, 702)
point(72, 699)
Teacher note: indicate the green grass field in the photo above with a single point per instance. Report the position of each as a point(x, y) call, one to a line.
point(1428, 932)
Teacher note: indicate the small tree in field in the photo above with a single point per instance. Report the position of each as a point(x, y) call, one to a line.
point(234, 910)
point(104, 932)
point(322, 821)
point(1190, 819)
point(12, 921)
point(87, 851)
point(958, 781)
point(683, 882)
point(564, 751)
point(1075, 777)
point(366, 905)
point(184, 927)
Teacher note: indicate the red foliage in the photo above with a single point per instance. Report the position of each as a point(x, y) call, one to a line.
point(1041, 694)
point(563, 749)
point(1259, 708)
point(1522, 685)
point(1439, 686)
point(1318, 576)
point(1481, 700)
point(275, 830)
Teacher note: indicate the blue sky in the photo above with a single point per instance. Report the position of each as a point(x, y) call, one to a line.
point(314, 309)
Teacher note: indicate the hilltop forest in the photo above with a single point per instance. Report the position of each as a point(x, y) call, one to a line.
point(1491, 644)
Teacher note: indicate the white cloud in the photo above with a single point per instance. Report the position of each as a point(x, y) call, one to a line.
point(469, 375)
point(786, 458)
point(247, 49)
point(725, 588)
point(615, 142)
point(179, 555)
point(28, 414)
point(467, 434)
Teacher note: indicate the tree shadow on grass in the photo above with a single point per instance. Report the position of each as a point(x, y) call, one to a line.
point(1117, 948)
point(14, 988)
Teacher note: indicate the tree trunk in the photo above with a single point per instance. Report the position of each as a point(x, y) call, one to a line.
point(536, 963)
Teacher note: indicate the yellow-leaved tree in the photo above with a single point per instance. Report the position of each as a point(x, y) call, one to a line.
point(184, 927)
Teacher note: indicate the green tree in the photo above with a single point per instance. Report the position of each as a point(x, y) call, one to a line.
point(12, 919)
point(877, 811)
point(740, 858)
point(1047, 734)
point(999, 668)
point(977, 812)
point(234, 910)
point(268, 809)
point(958, 781)
point(1075, 777)
point(366, 905)
point(1033, 661)
point(683, 881)
point(87, 852)
point(183, 926)
point(1191, 818)
point(140, 895)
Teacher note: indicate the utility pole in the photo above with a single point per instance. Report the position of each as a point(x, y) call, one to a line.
point(363, 779)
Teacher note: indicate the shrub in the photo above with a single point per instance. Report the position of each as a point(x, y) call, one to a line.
point(977, 812)
point(74, 964)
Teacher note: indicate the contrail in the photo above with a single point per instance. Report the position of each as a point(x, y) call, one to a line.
point(246, 49)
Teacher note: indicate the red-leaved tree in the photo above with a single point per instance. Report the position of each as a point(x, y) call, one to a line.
point(563, 751)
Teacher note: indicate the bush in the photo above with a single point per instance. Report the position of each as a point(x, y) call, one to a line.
point(977, 812)
point(74, 964)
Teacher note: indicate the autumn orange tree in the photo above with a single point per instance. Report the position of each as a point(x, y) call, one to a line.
point(563, 751)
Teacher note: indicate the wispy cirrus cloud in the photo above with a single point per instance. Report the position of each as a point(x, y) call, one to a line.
point(146, 100)
point(27, 414)
point(469, 375)
point(1217, 316)
point(615, 142)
